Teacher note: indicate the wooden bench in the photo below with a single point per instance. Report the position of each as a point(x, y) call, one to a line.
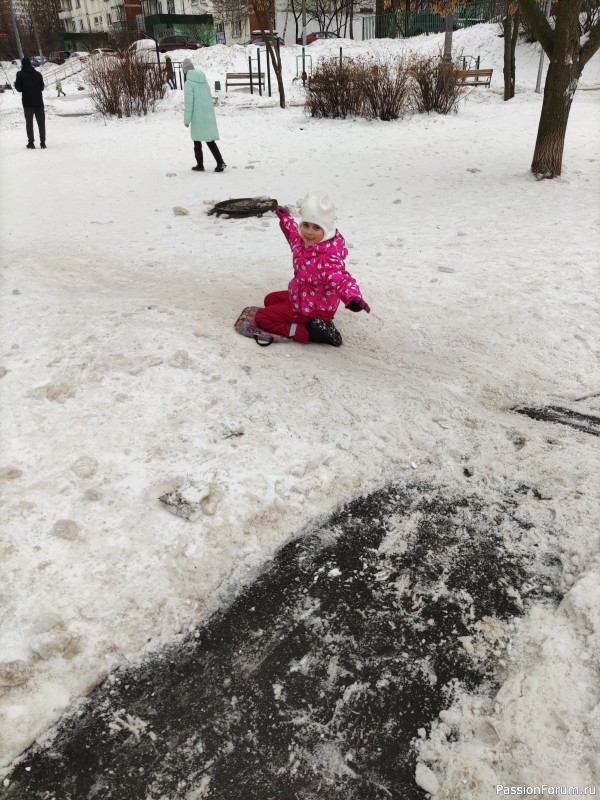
point(476, 77)
point(243, 79)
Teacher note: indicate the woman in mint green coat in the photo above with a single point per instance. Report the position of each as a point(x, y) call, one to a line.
point(200, 114)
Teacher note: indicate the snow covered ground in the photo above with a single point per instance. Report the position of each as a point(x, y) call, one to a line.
point(122, 378)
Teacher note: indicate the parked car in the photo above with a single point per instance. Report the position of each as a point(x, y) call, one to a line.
point(179, 43)
point(141, 44)
point(59, 56)
point(319, 36)
point(145, 50)
point(256, 38)
point(104, 51)
point(37, 61)
point(82, 55)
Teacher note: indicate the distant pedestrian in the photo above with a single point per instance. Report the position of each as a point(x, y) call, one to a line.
point(59, 90)
point(170, 72)
point(31, 84)
point(168, 31)
point(199, 111)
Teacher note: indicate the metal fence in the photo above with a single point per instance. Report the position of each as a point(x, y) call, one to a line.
point(401, 24)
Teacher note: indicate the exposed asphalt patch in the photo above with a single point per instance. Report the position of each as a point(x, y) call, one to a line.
point(318, 679)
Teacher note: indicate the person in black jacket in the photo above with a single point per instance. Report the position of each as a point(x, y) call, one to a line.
point(31, 84)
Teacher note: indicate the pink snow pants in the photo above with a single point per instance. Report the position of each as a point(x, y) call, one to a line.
point(278, 316)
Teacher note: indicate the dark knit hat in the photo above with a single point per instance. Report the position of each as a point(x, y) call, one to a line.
point(25, 62)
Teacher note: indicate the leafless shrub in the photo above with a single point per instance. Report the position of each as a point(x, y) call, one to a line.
point(436, 84)
point(125, 87)
point(386, 89)
point(335, 90)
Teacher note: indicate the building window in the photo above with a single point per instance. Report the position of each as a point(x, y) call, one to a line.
point(170, 6)
point(81, 25)
point(109, 19)
point(77, 4)
point(236, 29)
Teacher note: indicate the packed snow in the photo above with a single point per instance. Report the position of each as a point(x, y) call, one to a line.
point(123, 379)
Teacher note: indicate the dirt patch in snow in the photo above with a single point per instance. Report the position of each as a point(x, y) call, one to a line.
point(321, 677)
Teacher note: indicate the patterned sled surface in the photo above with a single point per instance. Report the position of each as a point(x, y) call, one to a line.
point(246, 325)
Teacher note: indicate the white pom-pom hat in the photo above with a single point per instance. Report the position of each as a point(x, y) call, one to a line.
point(318, 209)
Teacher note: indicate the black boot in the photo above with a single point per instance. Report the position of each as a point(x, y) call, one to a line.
point(43, 145)
point(30, 146)
point(198, 168)
point(323, 333)
point(220, 167)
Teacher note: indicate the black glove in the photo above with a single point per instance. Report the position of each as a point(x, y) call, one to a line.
point(358, 304)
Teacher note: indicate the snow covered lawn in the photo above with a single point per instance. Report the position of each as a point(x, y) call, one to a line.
point(123, 378)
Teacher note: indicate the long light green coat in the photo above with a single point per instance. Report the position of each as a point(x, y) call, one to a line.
point(198, 107)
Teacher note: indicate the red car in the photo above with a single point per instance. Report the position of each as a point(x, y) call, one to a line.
point(179, 43)
point(319, 35)
point(257, 38)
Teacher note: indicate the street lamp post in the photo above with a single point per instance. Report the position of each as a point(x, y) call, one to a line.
point(303, 25)
point(16, 30)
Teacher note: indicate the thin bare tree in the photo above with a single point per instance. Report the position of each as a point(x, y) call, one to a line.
point(231, 12)
point(264, 11)
point(44, 30)
point(331, 15)
point(510, 28)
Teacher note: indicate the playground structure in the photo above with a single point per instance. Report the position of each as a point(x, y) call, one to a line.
point(61, 71)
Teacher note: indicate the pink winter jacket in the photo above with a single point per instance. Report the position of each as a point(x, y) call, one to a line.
point(320, 279)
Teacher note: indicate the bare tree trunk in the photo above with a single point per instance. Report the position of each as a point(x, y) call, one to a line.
point(510, 26)
point(567, 58)
point(561, 82)
point(507, 31)
point(275, 59)
point(447, 57)
point(513, 51)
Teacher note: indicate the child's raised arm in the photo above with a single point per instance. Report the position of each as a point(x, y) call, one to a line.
point(288, 225)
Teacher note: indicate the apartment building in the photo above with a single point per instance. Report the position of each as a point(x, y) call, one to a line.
point(97, 16)
point(88, 21)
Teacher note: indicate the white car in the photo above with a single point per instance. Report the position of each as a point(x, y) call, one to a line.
point(104, 51)
point(142, 44)
point(145, 50)
point(79, 54)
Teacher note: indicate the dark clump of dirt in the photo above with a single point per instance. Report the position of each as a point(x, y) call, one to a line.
point(316, 680)
point(242, 207)
point(586, 423)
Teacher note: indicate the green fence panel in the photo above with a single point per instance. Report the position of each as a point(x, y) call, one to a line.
point(415, 23)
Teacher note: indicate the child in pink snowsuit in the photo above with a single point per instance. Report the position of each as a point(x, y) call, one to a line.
point(305, 311)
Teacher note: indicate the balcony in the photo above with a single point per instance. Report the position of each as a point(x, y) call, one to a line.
point(65, 14)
